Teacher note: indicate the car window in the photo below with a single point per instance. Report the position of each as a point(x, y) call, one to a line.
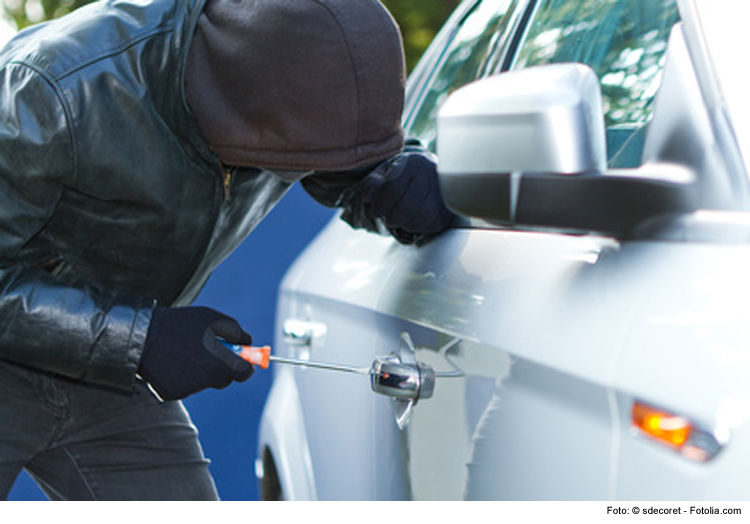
point(623, 41)
point(464, 60)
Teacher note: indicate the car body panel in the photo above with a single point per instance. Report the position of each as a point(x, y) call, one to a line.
point(543, 340)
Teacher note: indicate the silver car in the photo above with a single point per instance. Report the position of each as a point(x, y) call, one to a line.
point(584, 333)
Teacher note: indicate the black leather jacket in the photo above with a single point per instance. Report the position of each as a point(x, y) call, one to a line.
point(110, 200)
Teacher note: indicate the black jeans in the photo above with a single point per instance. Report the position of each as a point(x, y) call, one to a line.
point(83, 442)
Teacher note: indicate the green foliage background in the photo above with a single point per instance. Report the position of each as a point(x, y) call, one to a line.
point(419, 19)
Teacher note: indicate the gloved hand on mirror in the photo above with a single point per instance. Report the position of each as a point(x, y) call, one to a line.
point(404, 193)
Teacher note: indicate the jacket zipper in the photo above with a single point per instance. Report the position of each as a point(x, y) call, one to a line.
point(227, 185)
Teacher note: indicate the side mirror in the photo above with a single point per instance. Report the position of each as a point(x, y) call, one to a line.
point(544, 119)
point(528, 148)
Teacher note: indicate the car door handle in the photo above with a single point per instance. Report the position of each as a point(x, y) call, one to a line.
point(298, 332)
point(392, 377)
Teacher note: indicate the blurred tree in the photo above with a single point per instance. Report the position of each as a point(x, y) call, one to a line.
point(27, 12)
point(419, 19)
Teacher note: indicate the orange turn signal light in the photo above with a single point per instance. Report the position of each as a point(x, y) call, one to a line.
point(677, 432)
point(665, 427)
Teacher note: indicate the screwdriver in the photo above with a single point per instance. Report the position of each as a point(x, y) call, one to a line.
point(261, 356)
point(389, 375)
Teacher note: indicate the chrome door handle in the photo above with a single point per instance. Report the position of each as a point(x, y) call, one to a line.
point(401, 377)
point(392, 377)
point(405, 381)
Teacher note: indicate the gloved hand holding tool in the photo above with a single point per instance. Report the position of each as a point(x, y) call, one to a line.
point(183, 356)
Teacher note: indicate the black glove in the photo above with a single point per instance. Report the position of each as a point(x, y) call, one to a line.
point(404, 193)
point(181, 355)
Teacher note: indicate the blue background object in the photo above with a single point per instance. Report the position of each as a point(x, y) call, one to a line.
point(245, 287)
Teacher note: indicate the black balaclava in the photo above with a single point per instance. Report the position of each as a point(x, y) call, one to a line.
point(298, 84)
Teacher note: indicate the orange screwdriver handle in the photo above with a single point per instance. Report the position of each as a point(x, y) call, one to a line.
point(257, 356)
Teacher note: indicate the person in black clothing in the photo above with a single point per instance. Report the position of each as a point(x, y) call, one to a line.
point(140, 142)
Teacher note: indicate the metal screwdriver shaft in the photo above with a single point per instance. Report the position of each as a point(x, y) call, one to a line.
point(261, 356)
point(320, 365)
